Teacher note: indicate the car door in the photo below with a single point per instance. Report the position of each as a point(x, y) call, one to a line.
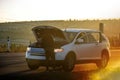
point(94, 45)
point(81, 46)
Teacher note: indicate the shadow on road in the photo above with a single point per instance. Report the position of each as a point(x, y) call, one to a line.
point(36, 75)
point(12, 63)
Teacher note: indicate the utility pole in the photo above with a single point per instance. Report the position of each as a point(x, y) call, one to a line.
point(101, 27)
point(8, 44)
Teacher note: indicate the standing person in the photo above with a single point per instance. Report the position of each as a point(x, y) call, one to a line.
point(48, 45)
point(8, 44)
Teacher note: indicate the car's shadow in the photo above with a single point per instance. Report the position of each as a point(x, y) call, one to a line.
point(38, 75)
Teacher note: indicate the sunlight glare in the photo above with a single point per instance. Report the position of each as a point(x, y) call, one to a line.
point(109, 73)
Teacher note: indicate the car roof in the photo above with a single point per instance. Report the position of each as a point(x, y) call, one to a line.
point(79, 30)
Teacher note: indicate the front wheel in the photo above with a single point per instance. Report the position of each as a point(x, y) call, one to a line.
point(103, 62)
point(69, 63)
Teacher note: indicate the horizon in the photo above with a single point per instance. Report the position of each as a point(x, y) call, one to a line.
point(63, 20)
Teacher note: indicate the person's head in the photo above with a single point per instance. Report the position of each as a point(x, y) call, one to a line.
point(39, 39)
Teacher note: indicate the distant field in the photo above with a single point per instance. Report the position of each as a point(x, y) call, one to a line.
point(22, 30)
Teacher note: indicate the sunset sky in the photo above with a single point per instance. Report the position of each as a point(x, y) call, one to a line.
point(22, 10)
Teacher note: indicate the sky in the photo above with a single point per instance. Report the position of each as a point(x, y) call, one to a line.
point(27, 10)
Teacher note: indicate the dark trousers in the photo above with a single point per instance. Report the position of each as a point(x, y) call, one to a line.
point(50, 57)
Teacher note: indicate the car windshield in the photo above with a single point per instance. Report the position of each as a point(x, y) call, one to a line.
point(70, 35)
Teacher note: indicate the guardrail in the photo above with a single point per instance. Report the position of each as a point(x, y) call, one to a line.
point(16, 41)
point(17, 45)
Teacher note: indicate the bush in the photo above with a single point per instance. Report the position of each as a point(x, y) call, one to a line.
point(13, 48)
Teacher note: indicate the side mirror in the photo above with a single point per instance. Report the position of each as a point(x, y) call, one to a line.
point(79, 40)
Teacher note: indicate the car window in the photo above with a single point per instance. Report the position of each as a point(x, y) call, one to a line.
point(83, 36)
point(71, 35)
point(103, 38)
point(93, 37)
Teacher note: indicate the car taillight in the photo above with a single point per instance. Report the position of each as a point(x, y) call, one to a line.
point(58, 50)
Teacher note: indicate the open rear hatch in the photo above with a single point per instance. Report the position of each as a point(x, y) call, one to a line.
point(59, 39)
point(58, 35)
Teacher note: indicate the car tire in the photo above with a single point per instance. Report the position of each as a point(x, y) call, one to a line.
point(103, 62)
point(32, 64)
point(69, 63)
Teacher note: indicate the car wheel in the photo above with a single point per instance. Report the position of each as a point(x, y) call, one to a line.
point(103, 62)
point(32, 64)
point(69, 63)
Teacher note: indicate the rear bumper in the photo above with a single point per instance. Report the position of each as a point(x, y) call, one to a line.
point(44, 62)
point(39, 54)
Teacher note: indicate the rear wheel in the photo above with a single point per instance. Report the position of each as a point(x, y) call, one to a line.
point(33, 64)
point(69, 63)
point(103, 62)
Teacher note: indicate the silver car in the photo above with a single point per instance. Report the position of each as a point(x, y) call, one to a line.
point(73, 46)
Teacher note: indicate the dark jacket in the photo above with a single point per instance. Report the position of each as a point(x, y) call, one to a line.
point(47, 41)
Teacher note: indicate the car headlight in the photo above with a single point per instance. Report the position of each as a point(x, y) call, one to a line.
point(58, 50)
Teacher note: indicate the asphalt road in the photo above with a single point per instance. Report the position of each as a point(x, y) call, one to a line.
point(14, 67)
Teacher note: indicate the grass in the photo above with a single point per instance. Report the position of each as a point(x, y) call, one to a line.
point(13, 48)
point(22, 30)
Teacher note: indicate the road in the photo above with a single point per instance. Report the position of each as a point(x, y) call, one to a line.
point(14, 67)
